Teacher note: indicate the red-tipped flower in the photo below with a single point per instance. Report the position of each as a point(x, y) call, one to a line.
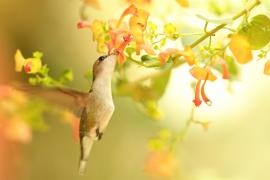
point(83, 24)
point(121, 48)
point(225, 71)
point(197, 101)
point(204, 96)
point(202, 74)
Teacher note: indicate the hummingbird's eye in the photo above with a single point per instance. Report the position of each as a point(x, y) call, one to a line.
point(101, 58)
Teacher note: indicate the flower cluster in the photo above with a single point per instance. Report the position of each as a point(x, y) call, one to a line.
point(140, 37)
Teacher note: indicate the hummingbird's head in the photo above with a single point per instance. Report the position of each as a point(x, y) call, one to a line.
point(104, 66)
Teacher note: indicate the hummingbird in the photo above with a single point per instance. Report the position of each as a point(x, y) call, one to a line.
point(94, 108)
point(98, 112)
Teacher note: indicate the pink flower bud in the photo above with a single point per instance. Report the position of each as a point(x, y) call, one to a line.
point(83, 24)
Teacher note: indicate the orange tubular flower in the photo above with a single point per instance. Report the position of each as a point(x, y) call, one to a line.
point(164, 56)
point(201, 74)
point(137, 25)
point(225, 71)
point(216, 61)
point(187, 53)
point(204, 97)
point(117, 37)
point(119, 40)
point(267, 68)
point(132, 9)
point(197, 101)
point(120, 50)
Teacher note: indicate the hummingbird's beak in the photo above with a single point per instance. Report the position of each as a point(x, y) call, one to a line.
point(101, 58)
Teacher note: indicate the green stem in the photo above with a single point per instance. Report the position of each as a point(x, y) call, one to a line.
point(190, 34)
point(205, 36)
point(221, 26)
point(181, 135)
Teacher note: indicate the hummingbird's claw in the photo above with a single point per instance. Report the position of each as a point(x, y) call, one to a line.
point(99, 134)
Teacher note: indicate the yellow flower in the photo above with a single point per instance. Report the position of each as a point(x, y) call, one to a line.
point(19, 61)
point(32, 65)
point(201, 74)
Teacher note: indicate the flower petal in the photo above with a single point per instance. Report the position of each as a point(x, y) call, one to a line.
point(183, 3)
point(83, 24)
point(19, 61)
point(32, 65)
point(189, 56)
point(164, 55)
point(201, 73)
point(132, 9)
point(92, 3)
point(241, 49)
point(267, 68)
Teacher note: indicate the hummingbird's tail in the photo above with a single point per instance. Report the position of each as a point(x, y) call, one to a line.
point(86, 145)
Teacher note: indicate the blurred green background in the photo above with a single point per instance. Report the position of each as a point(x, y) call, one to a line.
point(236, 147)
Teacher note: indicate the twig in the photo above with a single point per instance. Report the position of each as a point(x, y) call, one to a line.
point(182, 134)
point(221, 26)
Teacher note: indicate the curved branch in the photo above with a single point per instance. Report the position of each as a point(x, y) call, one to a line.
point(221, 26)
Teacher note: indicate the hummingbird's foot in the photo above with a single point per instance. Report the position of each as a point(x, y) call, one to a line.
point(99, 134)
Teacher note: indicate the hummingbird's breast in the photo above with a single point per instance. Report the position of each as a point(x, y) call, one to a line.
point(97, 113)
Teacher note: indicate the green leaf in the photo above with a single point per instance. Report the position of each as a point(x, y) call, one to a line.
point(174, 37)
point(150, 61)
point(66, 76)
point(163, 42)
point(44, 70)
point(151, 109)
point(33, 114)
point(158, 86)
point(146, 57)
point(147, 95)
point(130, 50)
point(169, 29)
point(257, 31)
point(232, 67)
point(152, 26)
point(155, 144)
point(33, 81)
point(37, 54)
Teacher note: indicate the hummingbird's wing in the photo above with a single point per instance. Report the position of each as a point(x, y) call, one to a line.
point(71, 99)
